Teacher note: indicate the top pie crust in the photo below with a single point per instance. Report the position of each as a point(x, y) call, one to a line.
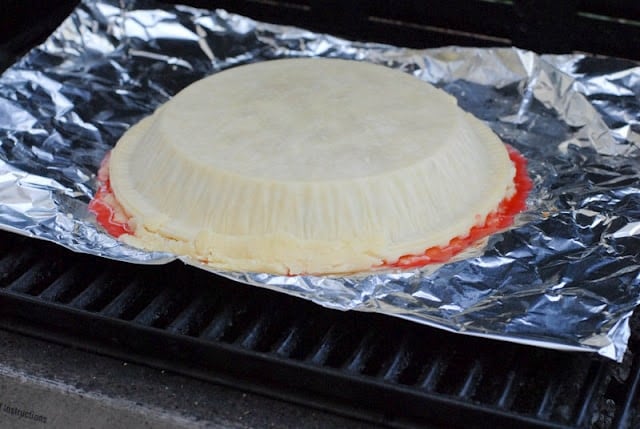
point(307, 166)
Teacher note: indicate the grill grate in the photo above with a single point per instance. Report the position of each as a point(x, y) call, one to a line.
point(388, 370)
point(608, 27)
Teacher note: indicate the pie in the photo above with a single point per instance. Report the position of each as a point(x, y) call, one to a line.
point(307, 166)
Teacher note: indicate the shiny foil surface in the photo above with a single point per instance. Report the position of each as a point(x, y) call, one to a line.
point(565, 276)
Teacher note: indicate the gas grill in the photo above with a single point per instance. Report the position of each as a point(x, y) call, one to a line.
point(371, 368)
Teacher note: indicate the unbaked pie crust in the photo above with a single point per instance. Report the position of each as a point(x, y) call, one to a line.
point(307, 166)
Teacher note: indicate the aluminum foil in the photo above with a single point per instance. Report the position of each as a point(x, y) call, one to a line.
point(566, 276)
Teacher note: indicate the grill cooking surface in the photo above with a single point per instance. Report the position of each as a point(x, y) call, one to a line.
point(185, 320)
point(373, 367)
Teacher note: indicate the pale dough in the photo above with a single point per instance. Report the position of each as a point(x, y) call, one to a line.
point(307, 166)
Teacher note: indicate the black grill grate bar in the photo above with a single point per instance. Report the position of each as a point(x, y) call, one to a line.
point(92, 292)
point(304, 333)
point(225, 312)
point(140, 291)
point(592, 393)
point(433, 372)
point(548, 399)
point(191, 320)
point(157, 310)
point(38, 277)
point(243, 316)
point(629, 409)
point(474, 374)
point(254, 332)
point(509, 391)
point(398, 363)
point(273, 324)
point(125, 301)
point(68, 282)
point(492, 384)
point(321, 351)
point(289, 340)
point(361, 355)
point(383, 354)
point(16, 263)
point(218, 324)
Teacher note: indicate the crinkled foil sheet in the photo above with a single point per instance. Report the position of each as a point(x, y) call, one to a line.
point(566, 276)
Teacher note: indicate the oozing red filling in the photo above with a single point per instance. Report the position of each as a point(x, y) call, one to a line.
point(495, 221)
point(110, 214)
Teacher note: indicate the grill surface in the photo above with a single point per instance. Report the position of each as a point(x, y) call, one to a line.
point(608, 27)
point(377, 368)
point(181, 319)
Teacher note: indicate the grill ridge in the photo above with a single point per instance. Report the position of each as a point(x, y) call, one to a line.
point(509, 391)
point(473, 377)
point(357, 362)
point(125, 303)
point(37, 277)
point(433, 372)
point(592, 392)
point(627, 415)
point(14, 264)
point(190, 320)
point(397, 362)
point(160, 310)
point(214, 329)
point(57, 290)
point(544, 409)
